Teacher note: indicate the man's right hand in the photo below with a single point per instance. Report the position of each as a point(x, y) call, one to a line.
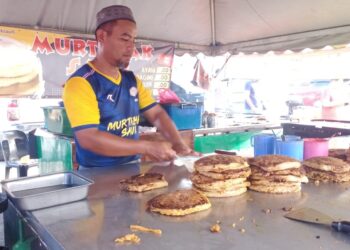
point(159, 151)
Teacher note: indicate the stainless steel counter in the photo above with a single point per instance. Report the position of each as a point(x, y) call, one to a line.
point(107, 213)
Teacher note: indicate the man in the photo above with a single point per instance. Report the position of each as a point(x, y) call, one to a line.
point(251, 102)
point(103, 101)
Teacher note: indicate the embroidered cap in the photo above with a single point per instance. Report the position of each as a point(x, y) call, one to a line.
point(113, 12)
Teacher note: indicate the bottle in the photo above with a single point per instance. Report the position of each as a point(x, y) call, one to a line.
point(205, 119)
point(211, 120)
point(13, 111)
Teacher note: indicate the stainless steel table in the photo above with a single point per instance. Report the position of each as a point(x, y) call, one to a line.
point(107, 213)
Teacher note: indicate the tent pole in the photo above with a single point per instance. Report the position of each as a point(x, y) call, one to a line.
point(212, 22)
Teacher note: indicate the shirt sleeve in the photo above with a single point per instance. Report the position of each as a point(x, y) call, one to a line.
point(80, 103)
point(146, 100)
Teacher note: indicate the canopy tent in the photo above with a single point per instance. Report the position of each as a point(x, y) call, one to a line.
point(212, 27)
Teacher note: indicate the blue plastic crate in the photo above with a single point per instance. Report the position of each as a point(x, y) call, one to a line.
point(184, 115)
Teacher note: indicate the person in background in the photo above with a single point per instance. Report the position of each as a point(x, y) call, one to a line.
point(335, 101)
point(104, 101)
point(252, 103)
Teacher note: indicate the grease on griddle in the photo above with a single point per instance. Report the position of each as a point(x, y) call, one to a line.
point(287, 209)
point(267, 211)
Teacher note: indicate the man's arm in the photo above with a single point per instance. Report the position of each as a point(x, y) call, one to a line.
point(160, 119)
point(104, 143)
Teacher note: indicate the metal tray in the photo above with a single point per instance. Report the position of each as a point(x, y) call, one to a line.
point(49, 190)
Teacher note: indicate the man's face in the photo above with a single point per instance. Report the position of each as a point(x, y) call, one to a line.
point(117, 42)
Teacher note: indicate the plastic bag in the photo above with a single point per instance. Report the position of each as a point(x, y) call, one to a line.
point(168, 96)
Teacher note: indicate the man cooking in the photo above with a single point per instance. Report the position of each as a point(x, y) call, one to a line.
point(103, 101)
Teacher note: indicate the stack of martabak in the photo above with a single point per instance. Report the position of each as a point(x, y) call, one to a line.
point(327, 169)
point(276, 174)
point(221, 175)
point(343, 154)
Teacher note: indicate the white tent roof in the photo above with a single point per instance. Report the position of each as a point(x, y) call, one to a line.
point(212, 26)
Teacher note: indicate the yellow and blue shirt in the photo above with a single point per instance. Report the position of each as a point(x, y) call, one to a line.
point(93, 99)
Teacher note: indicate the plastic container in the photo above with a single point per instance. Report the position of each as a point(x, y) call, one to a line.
point(56, 121)
point(315, 147)
point(264, 144)
point(230, 141)
point(184, 115)
point(293, 148)
point(55, 153)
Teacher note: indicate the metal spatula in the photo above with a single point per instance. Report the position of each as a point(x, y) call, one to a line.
point(310, 215)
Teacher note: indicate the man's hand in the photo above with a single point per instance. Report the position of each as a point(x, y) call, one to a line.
point(184, 150)
point(158, 117)
point(159, 151)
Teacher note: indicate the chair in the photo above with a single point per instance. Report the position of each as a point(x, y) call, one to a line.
point(14, 145)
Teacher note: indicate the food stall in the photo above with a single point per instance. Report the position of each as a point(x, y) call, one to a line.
point(252, 220)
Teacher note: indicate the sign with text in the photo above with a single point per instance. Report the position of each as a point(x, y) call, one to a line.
point(152, 64)
point(38, 62)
